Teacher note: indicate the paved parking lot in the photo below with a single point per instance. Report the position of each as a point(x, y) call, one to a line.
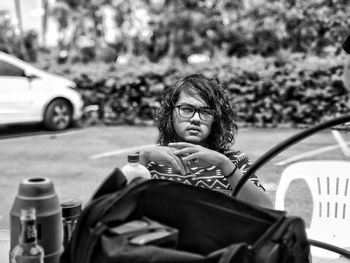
point(65, 158)
point(78, 160)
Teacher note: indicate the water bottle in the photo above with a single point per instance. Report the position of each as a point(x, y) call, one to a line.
point(133, 169)
point(40, 194)
point(28, 250)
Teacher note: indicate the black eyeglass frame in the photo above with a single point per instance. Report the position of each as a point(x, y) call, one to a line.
point(195, 110)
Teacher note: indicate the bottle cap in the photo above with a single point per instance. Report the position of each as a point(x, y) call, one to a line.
point(71, 208)
point(133, 158)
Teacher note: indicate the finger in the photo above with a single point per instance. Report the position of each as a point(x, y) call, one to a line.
point(192, 158)
point(180, 144)
point(177, 163)
point(186, 167)
point(192, 161)
point(184, 151)
point(165, 156)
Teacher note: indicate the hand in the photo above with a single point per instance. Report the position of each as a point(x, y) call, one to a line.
point(193, 153)
point(164, 155)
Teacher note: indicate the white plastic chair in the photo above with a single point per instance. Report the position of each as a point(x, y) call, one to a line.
point(329, 183)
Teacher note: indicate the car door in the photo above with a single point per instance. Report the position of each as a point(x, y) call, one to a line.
point(16, 103)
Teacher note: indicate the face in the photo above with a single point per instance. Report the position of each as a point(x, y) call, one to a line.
point(192, 129)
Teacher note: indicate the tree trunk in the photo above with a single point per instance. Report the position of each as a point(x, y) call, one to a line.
point(20, 27)
point(172, 39)
point(45, 6)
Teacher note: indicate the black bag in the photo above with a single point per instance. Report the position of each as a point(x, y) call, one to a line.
point(212, 227)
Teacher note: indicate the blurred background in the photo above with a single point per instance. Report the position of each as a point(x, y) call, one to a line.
point(281, 61)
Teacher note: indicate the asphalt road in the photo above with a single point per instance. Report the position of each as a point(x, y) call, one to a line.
point(77, 160)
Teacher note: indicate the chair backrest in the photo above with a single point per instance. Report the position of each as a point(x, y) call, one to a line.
point(329, 183)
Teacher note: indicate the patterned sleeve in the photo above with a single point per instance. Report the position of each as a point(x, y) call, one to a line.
point(243, 163)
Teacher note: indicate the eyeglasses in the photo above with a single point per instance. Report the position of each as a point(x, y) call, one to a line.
point(188, 111)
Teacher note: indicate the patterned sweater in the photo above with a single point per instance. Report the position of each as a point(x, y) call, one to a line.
point(207, 177)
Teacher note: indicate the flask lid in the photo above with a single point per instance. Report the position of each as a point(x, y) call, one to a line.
point(71, 208)
point(36, 187)
point(133, 158)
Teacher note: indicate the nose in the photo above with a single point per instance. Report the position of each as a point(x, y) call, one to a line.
point(195, 118)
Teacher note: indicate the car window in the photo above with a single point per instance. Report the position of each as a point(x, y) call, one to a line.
point(7, 69)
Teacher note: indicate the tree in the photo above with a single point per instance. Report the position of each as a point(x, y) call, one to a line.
point(61, 12)
point(44, 18)
point(20, 27)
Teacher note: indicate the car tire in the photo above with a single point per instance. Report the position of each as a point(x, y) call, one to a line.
point(58, 115)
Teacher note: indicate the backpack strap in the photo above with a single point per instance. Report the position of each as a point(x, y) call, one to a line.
point(115, 181)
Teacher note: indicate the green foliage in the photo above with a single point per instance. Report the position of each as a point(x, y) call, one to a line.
point(264, 28)
point(9, 40)
point(163, 28)
point(301, 92)
point(300, 26)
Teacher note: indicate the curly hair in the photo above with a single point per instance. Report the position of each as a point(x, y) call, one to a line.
point(209, 90)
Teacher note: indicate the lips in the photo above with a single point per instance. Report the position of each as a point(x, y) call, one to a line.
point(195, 129)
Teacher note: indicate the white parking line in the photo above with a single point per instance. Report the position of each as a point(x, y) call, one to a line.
point(120, 151)
point(127, 150)
point(341, 142)
point(308, 154)
point(46, 135)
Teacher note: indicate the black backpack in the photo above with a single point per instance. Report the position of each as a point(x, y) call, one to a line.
point(212, 227)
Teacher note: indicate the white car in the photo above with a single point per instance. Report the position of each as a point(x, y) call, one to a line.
point(29, 95)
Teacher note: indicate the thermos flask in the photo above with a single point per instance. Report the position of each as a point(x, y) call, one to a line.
point(40, 194)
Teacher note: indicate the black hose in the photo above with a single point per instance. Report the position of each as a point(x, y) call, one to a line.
point(286, 144)
point(326, 246)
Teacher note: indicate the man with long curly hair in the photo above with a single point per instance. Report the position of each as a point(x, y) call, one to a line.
point(196, 126)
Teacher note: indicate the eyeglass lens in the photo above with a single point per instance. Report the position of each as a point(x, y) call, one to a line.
point(187, 111)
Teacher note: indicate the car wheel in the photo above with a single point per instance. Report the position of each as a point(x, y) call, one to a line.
point(58, 115)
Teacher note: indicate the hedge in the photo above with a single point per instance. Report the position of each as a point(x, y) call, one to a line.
point(287, 90)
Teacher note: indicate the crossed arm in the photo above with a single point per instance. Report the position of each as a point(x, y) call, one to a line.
point(181, 154)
